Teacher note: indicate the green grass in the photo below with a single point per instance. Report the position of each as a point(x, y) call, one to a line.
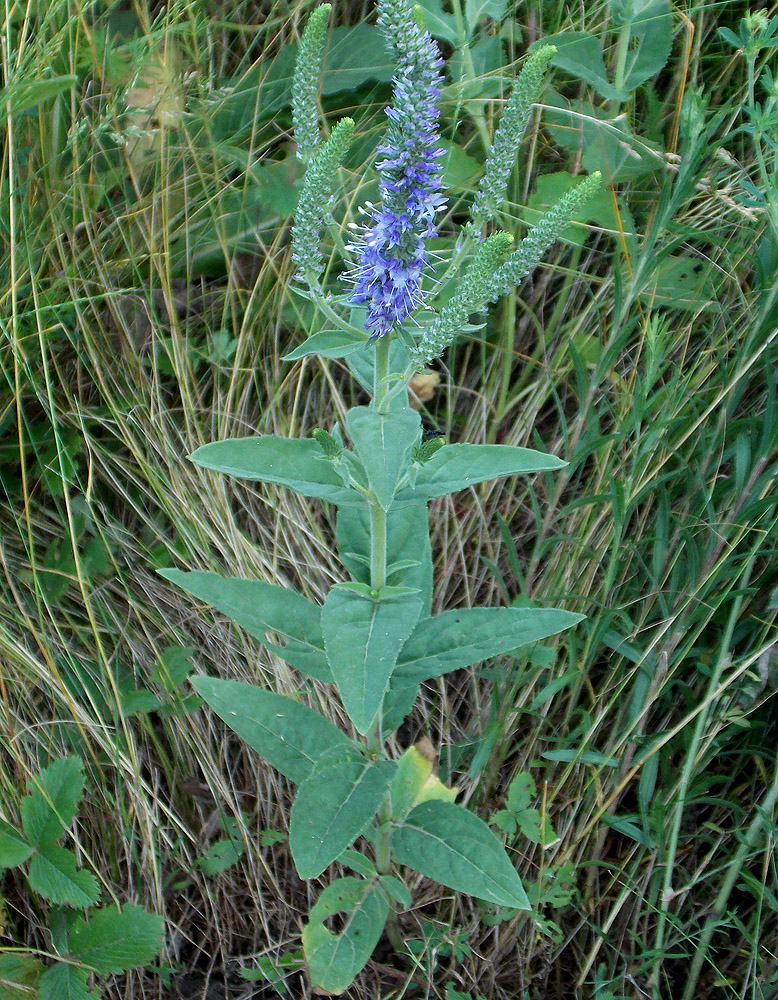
point(145, 304)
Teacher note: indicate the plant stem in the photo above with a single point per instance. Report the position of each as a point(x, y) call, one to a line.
point(691, 764)
point(763, 816)
point(381, 373)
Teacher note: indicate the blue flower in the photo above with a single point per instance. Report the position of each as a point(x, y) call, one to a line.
point(391, 247)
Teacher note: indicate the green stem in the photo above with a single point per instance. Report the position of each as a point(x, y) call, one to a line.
point(691, 763)
point(322, 301)
point(467, 60)
point(621, 63)
point(763, 816)
point(381, 374)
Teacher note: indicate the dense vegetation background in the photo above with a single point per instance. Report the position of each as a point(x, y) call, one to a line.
point(148, 181)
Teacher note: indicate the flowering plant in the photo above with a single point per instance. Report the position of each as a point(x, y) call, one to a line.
point(375, 637)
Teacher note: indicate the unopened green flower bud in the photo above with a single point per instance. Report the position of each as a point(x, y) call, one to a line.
point(315, 199)
point(529, 253)
point(331, 447)
point(425, 449)
point(507, 139)
point(305, 83)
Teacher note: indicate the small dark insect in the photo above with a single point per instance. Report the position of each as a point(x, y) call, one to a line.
point(429, 433)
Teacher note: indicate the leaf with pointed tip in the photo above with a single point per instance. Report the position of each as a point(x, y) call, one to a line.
point(457, 466)
point(53, 800)
point(65, 982)
point(259, 607)
point(466, 636)
point(116, 940)
point(288, 735)
point(55, 875)
point(383, 442)
point(329, 344)
point(335, 959)
point(298, 464)
point(453, 846)
point(14, 848)
point(334, 805)
point(362, 638)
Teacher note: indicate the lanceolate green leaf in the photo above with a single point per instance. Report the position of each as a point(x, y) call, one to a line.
point(115, 940)
point(457, 466)
point(335, 959)
point(258, 607)
point(285, 733)
point(53, 800)
point(362, 638)
point(453, 846)
point(296, 463)
point(328, 344)
point(466, 636)
point(334, 805)
point(55, 875)
point(383, 442)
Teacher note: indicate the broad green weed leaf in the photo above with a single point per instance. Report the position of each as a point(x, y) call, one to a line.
point(599, 209)
point(220, 856)
point(460, 170)
point(605, 144)
point(358, 863)
point(383, 442)
point(408, 540)
point(54, 874)
point(476, 10)
point(334, 805)
point(353, 57)
point(478, 76)
point(439, 24)
point(681, 282)
point(328, 344)
point(580, 54)
point(52, 802)
point(651, 35)
point(292, 462)
point(335, 959)
point(288, 735)
point(14, 848)
point(362, 638)
point(454, 847)
point(115, 940)
point(458, 466)
point(466, 636)
point(66, 982)
point(19, 975)
point(259, 607)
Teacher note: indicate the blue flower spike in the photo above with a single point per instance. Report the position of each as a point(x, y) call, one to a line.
point(391, 247)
